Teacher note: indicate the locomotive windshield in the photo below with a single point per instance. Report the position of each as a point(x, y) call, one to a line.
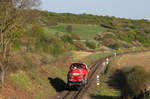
point(76, 66)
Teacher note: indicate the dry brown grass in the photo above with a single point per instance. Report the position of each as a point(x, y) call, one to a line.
point(78, 55)
point(140, 59)
point(11, 93)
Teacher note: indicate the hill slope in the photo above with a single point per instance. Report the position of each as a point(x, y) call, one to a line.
point(44, 51)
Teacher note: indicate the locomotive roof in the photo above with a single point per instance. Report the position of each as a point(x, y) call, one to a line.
point(78, 63)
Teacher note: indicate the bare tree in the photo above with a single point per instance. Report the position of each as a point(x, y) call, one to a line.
point(14, 15)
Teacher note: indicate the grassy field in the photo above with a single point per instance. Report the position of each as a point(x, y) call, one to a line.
point(53, 32)
point(105, 91)
point(136, 59)
point(86, 32)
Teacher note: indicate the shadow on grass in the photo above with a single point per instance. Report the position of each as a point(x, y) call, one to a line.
point(103, 97)
point(58, 84)
point(116, 80)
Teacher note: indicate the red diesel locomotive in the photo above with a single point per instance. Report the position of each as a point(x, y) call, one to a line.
point(78, 75)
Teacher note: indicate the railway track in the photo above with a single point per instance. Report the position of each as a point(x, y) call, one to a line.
point(96, 68)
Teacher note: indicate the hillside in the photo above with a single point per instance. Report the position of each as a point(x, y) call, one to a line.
point(88, 31)
point(122, 32)
point(44, 50)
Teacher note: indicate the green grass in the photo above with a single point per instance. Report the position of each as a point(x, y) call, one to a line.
point(103, 97)
point(33, 82)
point(53, 32)
point(105, 91)
point(109, 92)
point(86, 32)
point(41, 85)
point(20, 79)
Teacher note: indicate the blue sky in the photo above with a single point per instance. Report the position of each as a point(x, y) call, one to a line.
point(135, 9)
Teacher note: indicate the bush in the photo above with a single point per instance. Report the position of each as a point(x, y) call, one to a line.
point(132, 81)
point(112, 43)
point(69, 28)
point(75, 36)
point(91, 44)
point(80, 45)
point(67, 38)
point(116, 46)
point(57, 48)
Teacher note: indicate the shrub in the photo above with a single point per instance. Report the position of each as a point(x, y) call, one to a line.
point(116, 46)
point(91, 44)
point(17, 44)
point(80, 45)
point(57, 48)
point(132, 81)
point(75, 36)
point(109, 42)
point(67, 38)
point(69, 28)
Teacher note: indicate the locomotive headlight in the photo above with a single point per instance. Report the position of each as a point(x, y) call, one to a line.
point(75, 73)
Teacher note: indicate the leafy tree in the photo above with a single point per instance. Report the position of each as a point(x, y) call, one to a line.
point(14, 14)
